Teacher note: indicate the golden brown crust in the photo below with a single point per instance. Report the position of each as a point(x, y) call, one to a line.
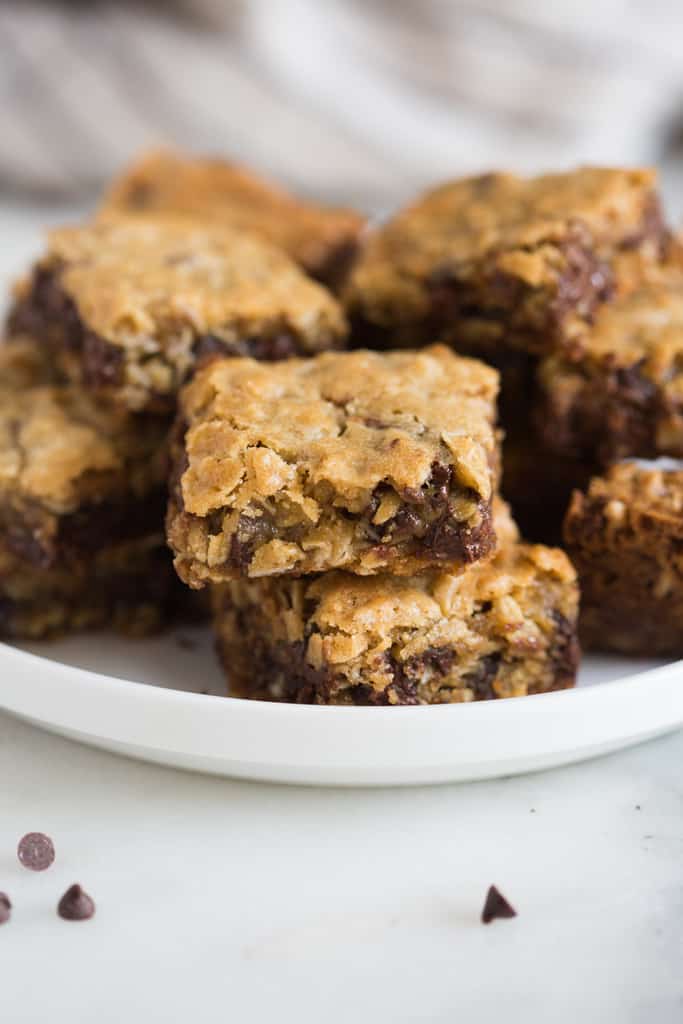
point(319, 238)
point(499, 257)
point(131, 304)
point(625, 536)
point(323, 455)
point(501, 629)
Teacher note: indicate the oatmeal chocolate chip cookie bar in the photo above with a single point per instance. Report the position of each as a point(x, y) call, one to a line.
point(82, 495)
point(625, 537)
point(130, 306)
point(504, 628)
point(502, 260)
point(622, 393)
point(128, 586)
point(361, 460)
point(538, 484)
point(321, 239)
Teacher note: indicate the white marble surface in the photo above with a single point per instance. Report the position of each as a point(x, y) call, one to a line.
point(220, 900)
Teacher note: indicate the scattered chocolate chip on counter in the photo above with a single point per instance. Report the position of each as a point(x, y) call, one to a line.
point(5, 908)
point(36, 851)
point(75, 905)
point(496, 906)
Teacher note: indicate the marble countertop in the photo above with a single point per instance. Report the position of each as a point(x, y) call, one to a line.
point(222, 900)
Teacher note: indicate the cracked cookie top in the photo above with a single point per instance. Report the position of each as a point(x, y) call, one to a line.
point(320, 238)
point(133, 304)
point(329, 430)
point(356, 460)
point(503, 223)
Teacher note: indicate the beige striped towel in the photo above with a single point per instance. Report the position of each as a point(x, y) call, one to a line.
point(360, 100)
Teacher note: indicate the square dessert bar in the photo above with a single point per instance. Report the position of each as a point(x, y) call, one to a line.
point(321, 239)
point(504, 628)
point(130, 306)
point(502, 260)
point(359, 460)
point(538, 484)
point(127, 586)
point(621, 394)
point(625, 537)
point(82, 497)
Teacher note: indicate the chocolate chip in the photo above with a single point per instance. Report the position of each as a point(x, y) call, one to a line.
point(35, 851)
point(5, 908)
point(250, 533)
point(566, 652)
point(334, 269)
point(102, 361)
point(496, 906)
point(280, 345)
point(75, 905)
point(482, 678)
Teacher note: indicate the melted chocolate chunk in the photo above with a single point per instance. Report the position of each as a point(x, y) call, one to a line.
point(47, 313)
point(482, 679)
point(306, 684)
point(496, 906)
point(426, 517)
point(585, 283)
point(615, 414)
point(334, 270)
point(363, 333)
point(565, 652)
point(36, 851)
point(404, 685)
point(409, 674)
point(83, 532)
point(46, 310)
point(251, 533)
point(440, 659)
point(282, 345)
point(102, 362)
point(75, 905)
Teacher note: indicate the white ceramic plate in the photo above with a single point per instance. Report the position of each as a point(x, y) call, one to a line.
point(154, 699)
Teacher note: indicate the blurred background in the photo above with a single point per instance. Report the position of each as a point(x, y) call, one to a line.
point(360, 101)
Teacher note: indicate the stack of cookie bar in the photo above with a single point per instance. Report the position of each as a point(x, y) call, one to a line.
point(572, 285)
point(101, 335)
point(343, 508)
point(516, 271)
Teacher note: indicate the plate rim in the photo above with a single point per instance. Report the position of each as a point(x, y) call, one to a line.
point(339, 746)
point(125, 685)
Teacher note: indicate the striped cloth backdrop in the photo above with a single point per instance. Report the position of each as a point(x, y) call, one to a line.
point(361, 100)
